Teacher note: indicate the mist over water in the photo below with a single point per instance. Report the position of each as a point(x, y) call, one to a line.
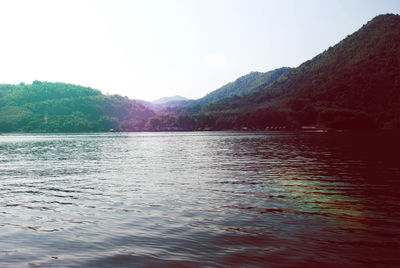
point(200, 199)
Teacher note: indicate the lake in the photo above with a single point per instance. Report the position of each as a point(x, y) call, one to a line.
point(216, 199)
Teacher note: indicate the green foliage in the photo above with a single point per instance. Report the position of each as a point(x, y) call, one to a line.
point(59, 107)
point(13, 117)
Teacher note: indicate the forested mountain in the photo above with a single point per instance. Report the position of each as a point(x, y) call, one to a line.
point(244, 85)
point(355, 84)
point(59, 107)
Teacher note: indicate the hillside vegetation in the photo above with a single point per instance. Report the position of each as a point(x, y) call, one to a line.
point(244, 85)
point(354, 84)
point(59, 107)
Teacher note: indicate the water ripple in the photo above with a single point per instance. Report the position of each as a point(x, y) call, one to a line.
point(217, 199)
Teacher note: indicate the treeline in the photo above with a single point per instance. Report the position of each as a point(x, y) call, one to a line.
point(271, 118)
point(265, 119)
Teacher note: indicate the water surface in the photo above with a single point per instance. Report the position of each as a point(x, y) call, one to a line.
point(217, 199)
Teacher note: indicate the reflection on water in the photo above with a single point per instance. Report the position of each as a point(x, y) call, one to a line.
point(200, 199)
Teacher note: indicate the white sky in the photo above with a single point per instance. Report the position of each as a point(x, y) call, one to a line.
point(150, 49)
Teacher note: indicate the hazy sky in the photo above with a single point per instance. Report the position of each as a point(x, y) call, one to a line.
point(150, 49)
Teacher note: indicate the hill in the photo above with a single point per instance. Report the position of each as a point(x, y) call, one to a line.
point(244, 85)
point(60, 107)
point(354, 84)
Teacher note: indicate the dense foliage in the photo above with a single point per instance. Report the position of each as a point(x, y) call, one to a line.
point(59, 107)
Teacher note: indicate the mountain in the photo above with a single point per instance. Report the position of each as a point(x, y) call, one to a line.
point(244, 85)
point(165, 100)
point(60, 107)
point(165, 104)
point(354, 84)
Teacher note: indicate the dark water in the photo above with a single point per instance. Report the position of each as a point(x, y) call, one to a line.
point(200, 199)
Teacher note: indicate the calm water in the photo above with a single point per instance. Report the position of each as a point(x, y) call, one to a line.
point(216, 199)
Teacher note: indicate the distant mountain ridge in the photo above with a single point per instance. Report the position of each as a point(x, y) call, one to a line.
point(164, 103)
point(244, 85)
point(169, 99)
